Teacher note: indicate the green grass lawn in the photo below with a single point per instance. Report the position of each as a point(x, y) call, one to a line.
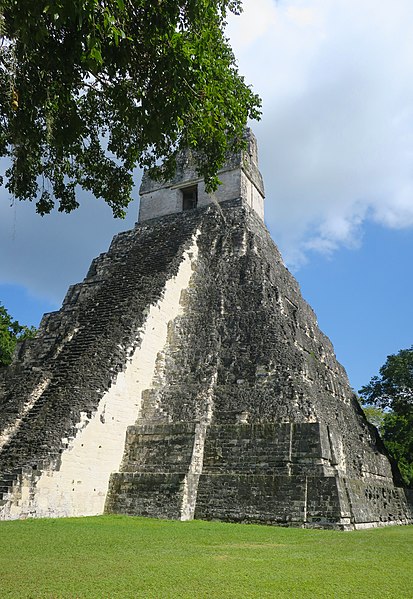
point(116, 556)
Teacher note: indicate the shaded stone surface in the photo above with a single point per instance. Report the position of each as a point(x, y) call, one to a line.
point(248, 416)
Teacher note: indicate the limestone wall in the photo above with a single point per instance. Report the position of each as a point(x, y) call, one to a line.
point(285, 428)
point(240, 178)
point(69, 397)
point(188, 374)
point(168, 199)
point(78, 486)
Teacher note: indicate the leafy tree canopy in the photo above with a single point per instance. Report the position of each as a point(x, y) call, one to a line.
point(397, 433)
point(390, 396)
point(11, 332)
point(394, 387)
point(374, 415)
point(91, 88)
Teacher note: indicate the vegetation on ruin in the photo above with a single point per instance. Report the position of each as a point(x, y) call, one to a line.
point(116, 556)
point(11, 331)
point(389, 399)
point(90, 89)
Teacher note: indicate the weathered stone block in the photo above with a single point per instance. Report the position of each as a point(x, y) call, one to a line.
point(154, 495)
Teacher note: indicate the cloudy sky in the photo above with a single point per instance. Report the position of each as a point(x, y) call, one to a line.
point(336, 152)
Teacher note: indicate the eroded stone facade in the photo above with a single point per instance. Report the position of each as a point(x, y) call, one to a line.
point(240, 178)
point(187, 377)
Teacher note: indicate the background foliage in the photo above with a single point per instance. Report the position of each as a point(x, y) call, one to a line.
point(390, 407)
point(10, 333)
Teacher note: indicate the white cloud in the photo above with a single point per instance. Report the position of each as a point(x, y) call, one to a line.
point(253, 25)
point(301, 16)
point(336, 143)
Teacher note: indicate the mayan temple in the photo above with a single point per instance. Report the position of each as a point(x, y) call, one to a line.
point(186, 377)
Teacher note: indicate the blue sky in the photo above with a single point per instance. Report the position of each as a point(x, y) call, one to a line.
point(363, 299)
point(336, 152)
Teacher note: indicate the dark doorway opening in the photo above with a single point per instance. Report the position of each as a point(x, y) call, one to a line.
point(189, 197)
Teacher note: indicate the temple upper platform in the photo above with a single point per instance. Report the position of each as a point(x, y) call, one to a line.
point(240, 178)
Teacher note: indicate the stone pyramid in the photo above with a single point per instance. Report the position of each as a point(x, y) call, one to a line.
point(186, 377)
